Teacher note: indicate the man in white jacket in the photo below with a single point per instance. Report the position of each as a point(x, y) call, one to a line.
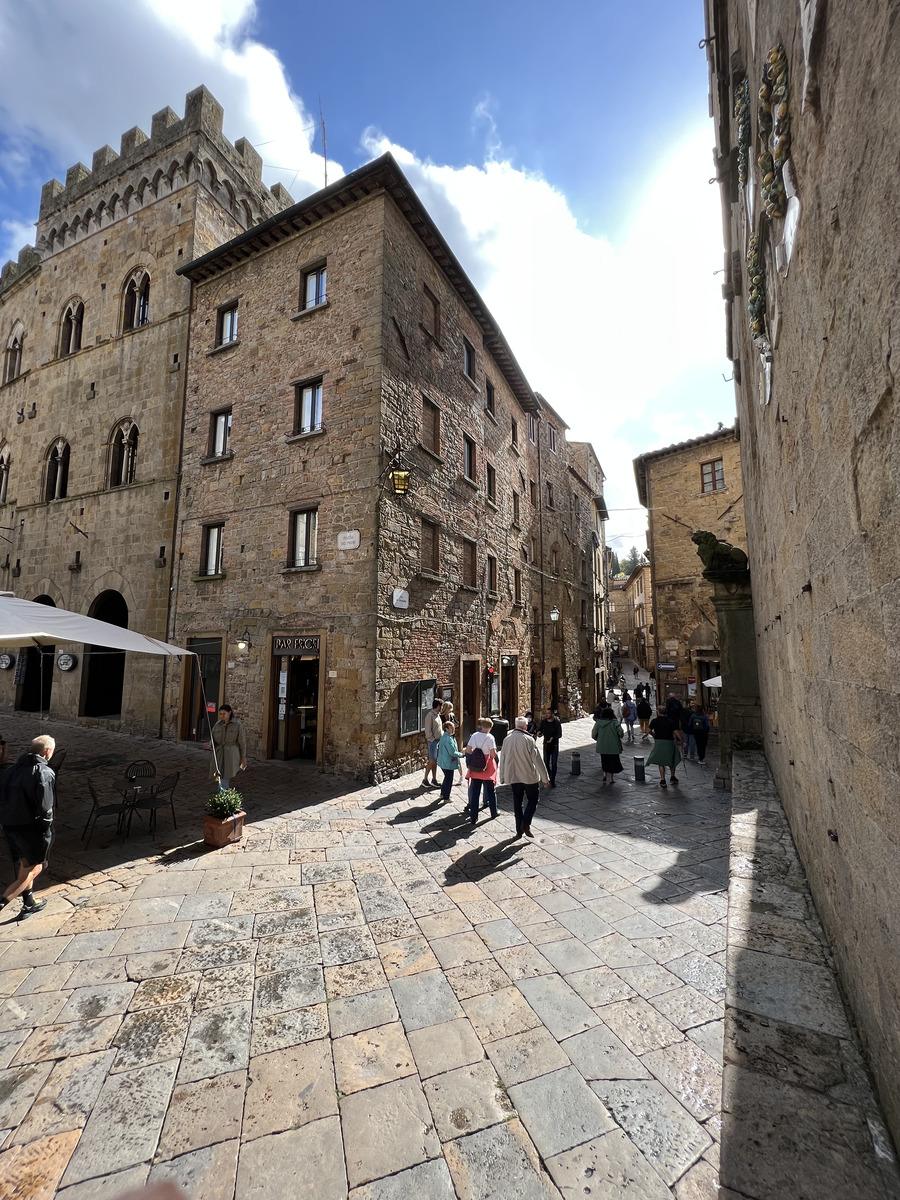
point(522, 766)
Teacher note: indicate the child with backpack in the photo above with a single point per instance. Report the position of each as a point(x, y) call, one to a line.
point(481, 756)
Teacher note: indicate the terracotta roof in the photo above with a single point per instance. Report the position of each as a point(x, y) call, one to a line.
point(640, 463)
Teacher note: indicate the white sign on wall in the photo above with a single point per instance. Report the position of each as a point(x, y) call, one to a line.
point(348, 540)
point(400, 598)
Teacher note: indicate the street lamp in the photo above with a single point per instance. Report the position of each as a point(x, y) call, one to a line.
point(554, 615)
point(243, 642)
point(399, 480)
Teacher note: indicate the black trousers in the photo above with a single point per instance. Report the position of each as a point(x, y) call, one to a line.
point(528, 792)
point(701, 739)
point(551, 758)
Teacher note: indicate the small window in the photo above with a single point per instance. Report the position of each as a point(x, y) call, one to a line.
point(584, 567)
point(516, 513)
point(12, 362)
point(314, 288)
point(431, 426)
point(4, 473)
point(552, 436)
point(70, 337)
point(430, 546)
point(712, 475)
point(584, 614)
point(469, 564)
point(515, 432)
point(227, 325)
point(304, 537)
point(554, 559)
point(468, 358)
point(550, 495)
point(532, 492)
point(532, 428)
point(123, 454)
point(492, 573)
point(211, 549)
point(136, 311)
point(219, 433)
point(468, 458)
point(57, 480)
point(308, 407)
point(517, 586)
point(416, 700)
point(431, 313)
point(491, 484)
point(489, 399)
point(534, 553)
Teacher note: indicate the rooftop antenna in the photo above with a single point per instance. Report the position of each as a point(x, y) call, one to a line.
point(324, 144)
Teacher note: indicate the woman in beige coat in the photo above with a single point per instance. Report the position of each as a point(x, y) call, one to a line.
point(231, 748)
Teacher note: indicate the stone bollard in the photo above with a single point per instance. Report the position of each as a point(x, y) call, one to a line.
point(576, 762)
point(639, 776)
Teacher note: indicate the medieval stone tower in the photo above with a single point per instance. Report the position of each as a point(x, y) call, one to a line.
point(94, 335)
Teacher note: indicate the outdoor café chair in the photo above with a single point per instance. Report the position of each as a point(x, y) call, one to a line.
point(119, 808)
point(158, 796)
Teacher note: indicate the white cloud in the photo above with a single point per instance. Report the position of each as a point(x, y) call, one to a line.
point(15, 235)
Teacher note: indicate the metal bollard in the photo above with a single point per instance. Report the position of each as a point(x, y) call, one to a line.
point(576, 762)
point(639, 776)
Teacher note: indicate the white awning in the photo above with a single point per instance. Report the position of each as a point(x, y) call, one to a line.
point(716, 681)
point(23, 622)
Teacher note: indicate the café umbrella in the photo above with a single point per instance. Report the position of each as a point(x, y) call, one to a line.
point(22, 622)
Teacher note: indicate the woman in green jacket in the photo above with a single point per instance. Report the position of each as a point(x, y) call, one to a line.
point(608, 733)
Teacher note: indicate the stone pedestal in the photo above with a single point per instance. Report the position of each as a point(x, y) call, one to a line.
point(740, 714)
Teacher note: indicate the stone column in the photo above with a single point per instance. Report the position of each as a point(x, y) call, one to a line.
point(740, 714)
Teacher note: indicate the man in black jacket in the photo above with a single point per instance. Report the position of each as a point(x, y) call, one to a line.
point(551, 732)
point(26, 814)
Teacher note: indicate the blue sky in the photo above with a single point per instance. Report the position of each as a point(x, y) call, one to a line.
point(565, 151)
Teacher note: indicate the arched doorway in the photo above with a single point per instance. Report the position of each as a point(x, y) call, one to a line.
point(104, 668)
point(33, 693)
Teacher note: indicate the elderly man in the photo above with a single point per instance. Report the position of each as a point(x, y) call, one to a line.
point(522, 766)
point(26, 814)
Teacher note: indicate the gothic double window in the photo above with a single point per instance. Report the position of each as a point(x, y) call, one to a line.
point(4, 472)
point(123, 454)
point(12, 359)
point(56, 483)
point(70, 333)
point(137, 301)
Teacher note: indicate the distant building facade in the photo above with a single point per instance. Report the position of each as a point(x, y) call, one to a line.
point(692, 486)
point(639, 598)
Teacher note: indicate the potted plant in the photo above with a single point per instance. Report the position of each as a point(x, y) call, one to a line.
point(223, 821)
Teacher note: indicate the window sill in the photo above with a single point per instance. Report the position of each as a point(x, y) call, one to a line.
point(16, 379)
point(471, 382)
point(488, 413)
point(514, 524)
point(209, 459)
point(301, 437)
point(471, 482)
point(204, 578)
point(514, 446)
point(304, 312)
point(436, 342)
point(492, 504)
point(301, 570)
point(493, 595)
point(468, 587)
point(431, 453)
point(519, 604)
point(434, 576)
point(223, 346)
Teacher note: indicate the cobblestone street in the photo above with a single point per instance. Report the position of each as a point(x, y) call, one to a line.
point(367, 996)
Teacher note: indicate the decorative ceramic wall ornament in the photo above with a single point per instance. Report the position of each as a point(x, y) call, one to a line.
point(742, 116)
point(774, 122)
point(756, 297)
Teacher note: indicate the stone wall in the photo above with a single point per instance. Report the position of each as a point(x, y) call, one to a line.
point(820, 447)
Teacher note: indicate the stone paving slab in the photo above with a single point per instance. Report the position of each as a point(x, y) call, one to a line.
point(366, 997)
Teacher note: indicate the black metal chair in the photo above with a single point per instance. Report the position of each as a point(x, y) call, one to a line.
point(141, 768)
point(158, 796)
point(119, 809)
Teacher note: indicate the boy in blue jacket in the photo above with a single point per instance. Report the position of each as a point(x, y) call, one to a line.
point(448, 757)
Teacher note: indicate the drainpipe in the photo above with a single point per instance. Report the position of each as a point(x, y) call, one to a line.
point(540, 508)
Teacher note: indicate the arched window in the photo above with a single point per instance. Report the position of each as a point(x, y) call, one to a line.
point(4, 472)
point(12, 362)
point(123, 454)
point(137, 301)
point(70, 338)
point(57, 485)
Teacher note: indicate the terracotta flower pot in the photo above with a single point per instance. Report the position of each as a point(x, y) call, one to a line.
point(220, 831)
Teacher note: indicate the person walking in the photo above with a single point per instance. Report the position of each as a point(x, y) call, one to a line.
point(636, 672)
point(551, 732)
point(448, 757)
point(230, 742)
point(482, 761)
point(607, 733)
point(644, 713)
point(699, 731)
point(532, 728)
point(27, 795)
point(665, 753)
point(434, 731)
point(629, 716)
point(523, 768)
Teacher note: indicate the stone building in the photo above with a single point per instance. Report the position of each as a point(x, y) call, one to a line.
point(94, 322)
point(339, 355)
point(639, 601)
point(687, 487)
point(806, 108)
point(620, 616)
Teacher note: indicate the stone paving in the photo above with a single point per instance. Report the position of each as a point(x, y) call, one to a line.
point(368, 997)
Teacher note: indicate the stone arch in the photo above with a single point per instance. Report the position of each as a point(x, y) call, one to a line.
point(136, 299)
point(56, 475)
point(122, 448)
point(70, 326)
point(103, 677)
point(127, 198)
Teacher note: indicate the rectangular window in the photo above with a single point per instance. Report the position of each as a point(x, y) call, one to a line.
point(219, 433)
point(431, 313)
point(584, 614)
point(492, 573)
point(532, 491)
point(469, 564)
point(516, 508)
point(468, 358)
point(431, 426)
point(491, 484)
point(304, 538)
point(552, 436)
point(549, 495)
point(314, 288)
point(468, 458)
point(515, 432)
point(517, 586)
point(489, 396)
point(308, 407)
point(532, 428)
point(430, 552)
point(416, 700)
point(712, 475)
point(227, 325)
point(211, 549)
point(534, 549)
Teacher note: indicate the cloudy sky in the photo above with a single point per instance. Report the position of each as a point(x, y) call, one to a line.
point(564, 150)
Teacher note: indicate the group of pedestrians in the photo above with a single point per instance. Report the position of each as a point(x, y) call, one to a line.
point(519, 763)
